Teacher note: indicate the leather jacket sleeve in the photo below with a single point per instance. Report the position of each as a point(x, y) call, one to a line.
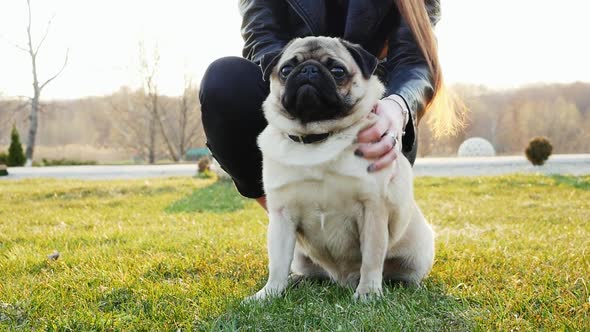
point(408, 74)
point(264, 35)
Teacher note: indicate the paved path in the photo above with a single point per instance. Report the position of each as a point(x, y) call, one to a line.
point(575, 164)
point(558, 164)
point(101, 172)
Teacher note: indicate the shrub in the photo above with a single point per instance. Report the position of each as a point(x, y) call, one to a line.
point(16, 156)
point(66, 162)
point(204, 164)
point(538, 151)
point(3, 159)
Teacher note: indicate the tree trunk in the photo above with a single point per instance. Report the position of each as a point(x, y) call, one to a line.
point(183, 124)
point(165, 136)
point(34, 121)
point(37, 88)
point(152, 144)
point(34, 116)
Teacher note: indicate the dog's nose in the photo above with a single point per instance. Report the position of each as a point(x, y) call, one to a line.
point(309, 70)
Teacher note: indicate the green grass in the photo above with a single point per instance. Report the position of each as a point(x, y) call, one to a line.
point(218, 197)
point(162, 255)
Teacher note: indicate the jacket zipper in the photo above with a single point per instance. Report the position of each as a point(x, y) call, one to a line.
point(302, 13)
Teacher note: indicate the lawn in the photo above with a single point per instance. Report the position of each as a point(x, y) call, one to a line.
point(513, 253)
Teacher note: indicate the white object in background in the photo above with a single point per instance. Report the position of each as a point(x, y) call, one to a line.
point(476, 147)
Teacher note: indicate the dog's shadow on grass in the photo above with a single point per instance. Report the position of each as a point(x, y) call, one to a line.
point(219, 197)
point(313, 305)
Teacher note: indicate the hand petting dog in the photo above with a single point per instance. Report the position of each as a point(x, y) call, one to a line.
point(381, 141)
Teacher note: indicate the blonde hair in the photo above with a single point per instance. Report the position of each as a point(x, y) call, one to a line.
point(448, 112)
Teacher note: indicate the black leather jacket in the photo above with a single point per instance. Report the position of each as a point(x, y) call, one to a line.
point(268, 25)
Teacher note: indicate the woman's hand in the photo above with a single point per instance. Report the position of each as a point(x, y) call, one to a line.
point(377, 142)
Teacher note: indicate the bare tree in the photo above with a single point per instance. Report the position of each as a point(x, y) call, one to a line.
point(148, 72)
point(153, 105)
point(156, 125)
point(139, 124)
point(157, 107)
point(33, 52)
point(189, 120)
point(180, 122)
point(130, 121)
point(178, 125)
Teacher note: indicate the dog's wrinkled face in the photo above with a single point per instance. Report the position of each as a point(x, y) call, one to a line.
point(320, 79)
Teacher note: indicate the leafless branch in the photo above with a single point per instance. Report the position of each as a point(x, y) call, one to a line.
point(46, 107)
point(25, 97)
point(12, 109)
point(30, 50)
point(58, 73)
point(129, 127)
point(22, 105)
point(44, 36)
point(171, 151)
point(14, 44)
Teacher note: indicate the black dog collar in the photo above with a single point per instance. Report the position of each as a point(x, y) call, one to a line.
point(308, 139)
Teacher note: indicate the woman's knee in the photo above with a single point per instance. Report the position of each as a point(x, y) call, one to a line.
point(227, 81)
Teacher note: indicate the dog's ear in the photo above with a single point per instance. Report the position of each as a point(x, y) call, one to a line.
point(366, 61)
point(268, 62)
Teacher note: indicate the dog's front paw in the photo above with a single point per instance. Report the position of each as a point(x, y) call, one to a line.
point(263, 294)
point(368, 292)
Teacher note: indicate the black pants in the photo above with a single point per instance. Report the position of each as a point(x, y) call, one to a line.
point(232, 92)
point(231, 95)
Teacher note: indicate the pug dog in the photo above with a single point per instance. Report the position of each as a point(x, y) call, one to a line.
point(328, 216)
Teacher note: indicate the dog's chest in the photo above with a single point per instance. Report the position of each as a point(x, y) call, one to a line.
point(325, 200)
point(326, 214)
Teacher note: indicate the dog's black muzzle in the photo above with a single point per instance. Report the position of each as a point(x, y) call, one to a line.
point(311, 94)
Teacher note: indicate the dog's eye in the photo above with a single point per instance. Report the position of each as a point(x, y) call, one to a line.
point(286, 70)
point(338, 72)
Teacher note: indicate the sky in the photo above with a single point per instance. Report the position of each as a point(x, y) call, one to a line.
point(500, 43)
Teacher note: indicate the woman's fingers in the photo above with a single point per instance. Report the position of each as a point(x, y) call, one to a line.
point(376, 150)
point(384, 161)
point(374, 133)
point(375, 145)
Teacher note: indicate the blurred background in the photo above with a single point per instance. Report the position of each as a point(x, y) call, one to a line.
point(118, 81)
